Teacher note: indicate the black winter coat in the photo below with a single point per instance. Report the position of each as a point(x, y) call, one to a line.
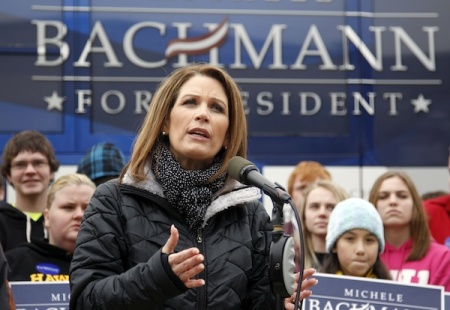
point(118, 263)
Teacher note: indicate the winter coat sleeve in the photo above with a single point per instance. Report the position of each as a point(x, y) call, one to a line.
point(99, 277)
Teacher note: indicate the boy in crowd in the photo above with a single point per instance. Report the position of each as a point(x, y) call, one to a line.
point(29, 164)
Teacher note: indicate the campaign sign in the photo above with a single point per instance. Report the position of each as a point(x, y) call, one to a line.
point(342, 292)
point(41, 295)
point(447, 301)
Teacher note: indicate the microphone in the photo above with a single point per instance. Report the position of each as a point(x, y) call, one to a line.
point(247, 173)
point(281, 256)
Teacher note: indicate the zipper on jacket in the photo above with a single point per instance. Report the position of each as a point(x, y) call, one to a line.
point(201, 290)
point(200, 237)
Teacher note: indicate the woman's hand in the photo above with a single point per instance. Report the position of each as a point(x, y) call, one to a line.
point(307, 283)
point(185, 264)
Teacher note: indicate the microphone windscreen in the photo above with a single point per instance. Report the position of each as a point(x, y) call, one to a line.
point(235, 166)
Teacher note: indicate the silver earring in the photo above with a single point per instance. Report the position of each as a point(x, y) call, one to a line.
point(225, 147)
point(164, 133)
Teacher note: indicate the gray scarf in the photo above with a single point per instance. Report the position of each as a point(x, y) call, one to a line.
point(187, 190)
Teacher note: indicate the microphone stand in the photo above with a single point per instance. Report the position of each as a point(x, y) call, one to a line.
point(277, 233)
point(279, 239)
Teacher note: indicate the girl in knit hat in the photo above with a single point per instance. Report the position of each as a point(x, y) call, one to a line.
point(355, 240)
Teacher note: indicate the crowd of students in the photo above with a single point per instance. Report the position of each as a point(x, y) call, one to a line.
point(38, 232)
point(410, 233)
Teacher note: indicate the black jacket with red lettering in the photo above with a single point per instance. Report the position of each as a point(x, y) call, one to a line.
point(118, 264)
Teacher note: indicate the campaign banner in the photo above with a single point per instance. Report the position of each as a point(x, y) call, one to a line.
point(343, 292)
point(41, 295)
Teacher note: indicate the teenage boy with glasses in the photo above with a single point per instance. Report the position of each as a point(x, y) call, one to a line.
point(29, 164)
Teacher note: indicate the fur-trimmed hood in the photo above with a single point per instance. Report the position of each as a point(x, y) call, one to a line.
point(233, 193)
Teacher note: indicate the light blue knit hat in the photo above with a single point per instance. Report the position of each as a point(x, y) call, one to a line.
point(354, 213)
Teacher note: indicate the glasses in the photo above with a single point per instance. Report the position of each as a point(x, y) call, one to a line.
point(22, 165)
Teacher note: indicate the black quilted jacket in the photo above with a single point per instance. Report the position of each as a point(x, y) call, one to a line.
point(118, 263)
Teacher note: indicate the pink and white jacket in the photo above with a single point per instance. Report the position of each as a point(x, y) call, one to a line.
point(434, 268)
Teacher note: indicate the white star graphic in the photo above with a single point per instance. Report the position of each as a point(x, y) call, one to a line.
point(54, 101)
point(421, 104)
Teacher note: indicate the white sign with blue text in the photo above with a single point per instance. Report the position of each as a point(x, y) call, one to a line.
point(341, 292)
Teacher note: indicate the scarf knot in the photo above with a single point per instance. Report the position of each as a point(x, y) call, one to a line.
point(189, 191)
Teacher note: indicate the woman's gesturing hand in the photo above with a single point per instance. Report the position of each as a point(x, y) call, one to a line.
point(185, 264)
point(305, 292)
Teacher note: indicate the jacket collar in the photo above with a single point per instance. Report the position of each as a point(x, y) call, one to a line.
point(233, 194)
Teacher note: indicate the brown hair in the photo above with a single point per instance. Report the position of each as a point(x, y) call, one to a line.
point(434, 194)
point(308, 171)
point(150, 133)
point(420, 232)
point(339, 194)
point(67, 180)
point(28, 140)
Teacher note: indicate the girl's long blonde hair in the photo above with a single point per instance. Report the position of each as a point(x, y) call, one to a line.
point(340, 194)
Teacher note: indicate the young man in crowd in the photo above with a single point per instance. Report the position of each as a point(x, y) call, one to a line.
point(29, 165)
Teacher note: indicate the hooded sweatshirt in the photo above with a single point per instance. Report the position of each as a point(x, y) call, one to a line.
point(438, 210)
point(433, 268)
point(38, 261)
point(17, 228)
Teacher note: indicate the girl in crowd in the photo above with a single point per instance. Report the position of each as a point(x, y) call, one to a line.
point(320, 199)
point(175, 232)
point(411, 254)
point(49, 260)
point(355, 240)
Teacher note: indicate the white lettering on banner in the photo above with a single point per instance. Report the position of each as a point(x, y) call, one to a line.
point(60, 297)
point(84, 99)
point(120, 100)
point(312, 46)
point(373, 295)
point(98, 32)
point(57, 41)
point(303, 104)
